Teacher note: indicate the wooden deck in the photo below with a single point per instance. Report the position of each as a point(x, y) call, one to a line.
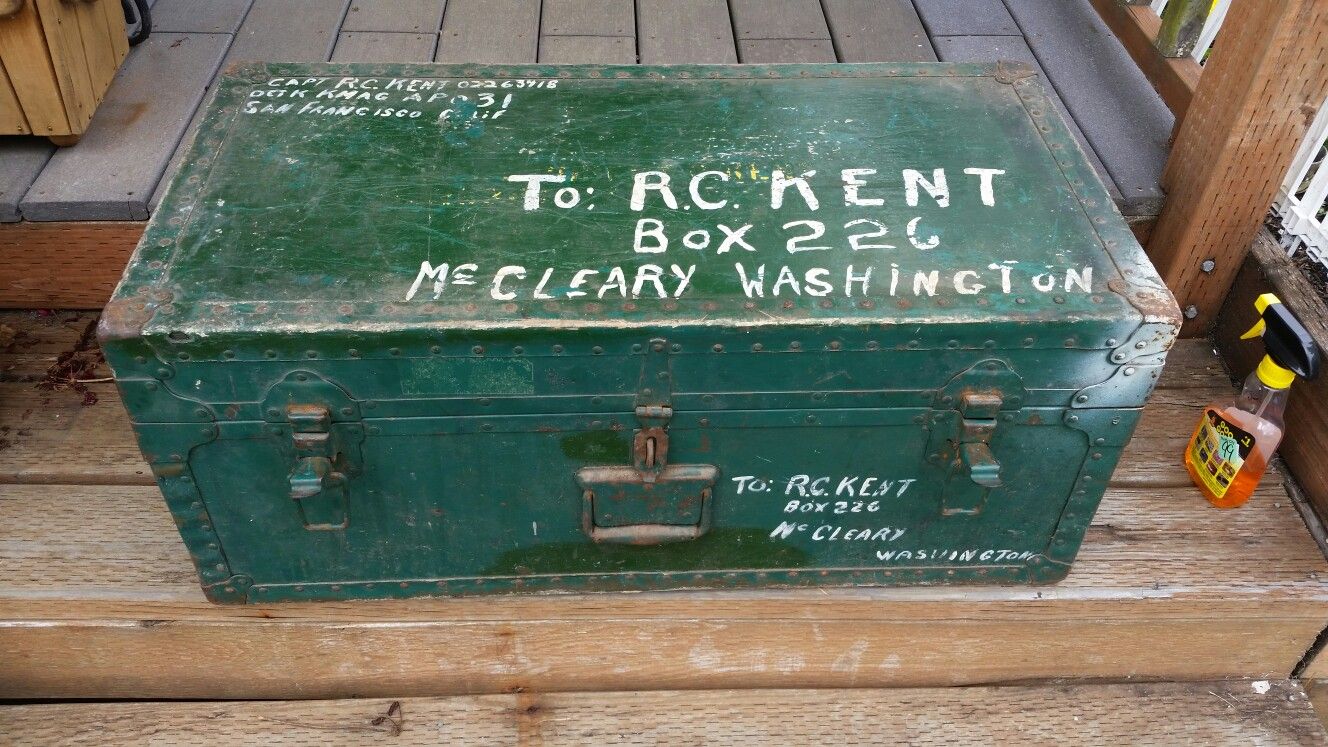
point(117, 173)
point(1263, 713)
point(99, 599)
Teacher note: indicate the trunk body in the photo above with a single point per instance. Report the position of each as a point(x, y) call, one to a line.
point(418, 329)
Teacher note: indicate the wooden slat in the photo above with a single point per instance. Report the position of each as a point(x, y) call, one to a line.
point(489, 31)
point(103, 57)
point(1272, 713)
point(785, 50)
point(1109, 98)
point(65, 47)
point(384, 46)
point(679, 31)
point(1233, 150)
point(779, 19)
point(202, 16)
point(113, 17)
point(588, 18)
point(21, 159)
point(24, 54)
point(113, 171)
point(11, 112)
point(64, 265)
point(288, 31)
point(37, 338)
point(877, 31)
point(966, 18)
point(414, 16)
point(588, 49)
point(1136, 26)
point(1268, 270)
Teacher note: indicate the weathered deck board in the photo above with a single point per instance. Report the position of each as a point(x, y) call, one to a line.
point(497, 31)
point(607, 50)
point(112, 172)
point(966, 18)
point(757, 51)
point(678, 31)
point(384, 46)
point(877, 31)
point(588, 18)
point(1231, 712)
point(778, 19)
point(413, 16)
point(21, 160)
point(992, 48)
point(289, 31)
point(1127, 123)
point(202, 16)
point(37, 258)
point(1157, 568)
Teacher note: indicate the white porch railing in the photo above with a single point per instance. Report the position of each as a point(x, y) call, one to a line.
point(1302, 201)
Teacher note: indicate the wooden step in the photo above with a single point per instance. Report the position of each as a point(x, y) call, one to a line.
point(1261, 712)
point(98, 598)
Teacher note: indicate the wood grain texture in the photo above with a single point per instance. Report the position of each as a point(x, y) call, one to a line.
point(877, 31)
point(21, 160)
point(1179, 713)
point(607, 50)
point(1268, 270)
point(685, 31)
point(384, 46)
point(779, 19)
point(588, 18)
point(1136, 26)
point(414, 16)
point(1254, 103)
point(12, 120)
point(489, 31)
point(102, 601)
point(64, 265)
point(288, 31)
point(27, 62)
point(758, 51)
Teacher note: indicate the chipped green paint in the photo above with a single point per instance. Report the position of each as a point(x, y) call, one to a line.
point(428, 329)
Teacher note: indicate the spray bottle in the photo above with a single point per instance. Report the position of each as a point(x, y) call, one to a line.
point(1230, 450)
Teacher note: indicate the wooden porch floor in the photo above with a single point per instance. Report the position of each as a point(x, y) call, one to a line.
point(98, 598)
point(116, 172)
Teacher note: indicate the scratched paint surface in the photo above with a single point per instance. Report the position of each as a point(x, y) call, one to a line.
point(899, 333)
point(602, 199)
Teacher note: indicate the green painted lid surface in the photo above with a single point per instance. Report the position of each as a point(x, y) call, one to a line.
point(465, 196)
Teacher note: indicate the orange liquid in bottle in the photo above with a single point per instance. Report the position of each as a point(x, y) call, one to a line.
point(1266, 436)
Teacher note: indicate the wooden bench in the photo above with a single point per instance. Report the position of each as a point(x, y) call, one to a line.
point(98, 599)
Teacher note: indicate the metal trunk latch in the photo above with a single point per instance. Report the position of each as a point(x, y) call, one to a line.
point(968, 410)
point(318, 480)
point(325, 433)
point(650, 502)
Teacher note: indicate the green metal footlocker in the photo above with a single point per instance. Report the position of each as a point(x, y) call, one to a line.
point(404, 330)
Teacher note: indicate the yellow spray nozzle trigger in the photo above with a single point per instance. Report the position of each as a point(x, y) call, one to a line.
point(1261, 304)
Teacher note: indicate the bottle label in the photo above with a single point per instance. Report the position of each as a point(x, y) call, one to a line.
point(1218, 452)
